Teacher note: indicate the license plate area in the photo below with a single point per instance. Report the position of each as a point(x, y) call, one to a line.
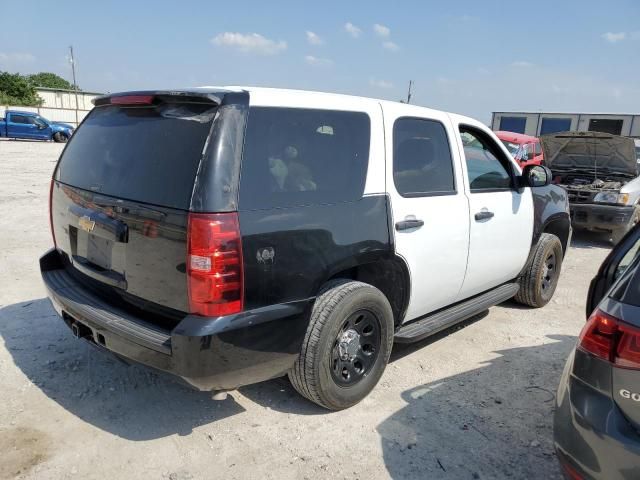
point(96, 250)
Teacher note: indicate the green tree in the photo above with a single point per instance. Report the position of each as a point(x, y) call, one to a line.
point(49, 80)
point(15, 89)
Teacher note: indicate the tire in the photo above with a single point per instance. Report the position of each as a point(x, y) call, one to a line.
point(617, 234)
point(540, 278)
point(59, 137)
point(341, 308)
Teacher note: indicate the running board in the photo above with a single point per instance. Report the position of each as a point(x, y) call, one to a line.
point(435, 322)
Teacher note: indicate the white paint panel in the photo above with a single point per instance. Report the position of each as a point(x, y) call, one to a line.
point(498, 247)
point(436, 253)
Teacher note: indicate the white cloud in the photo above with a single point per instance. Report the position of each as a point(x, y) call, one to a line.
point(314, 38)
point(612, 37)
point(318, 62)
point(380, 83)
point(522, 64)
point(17, 57)
point(249, 43)
point(381, 30)
point(389, 45)
point(352, 30)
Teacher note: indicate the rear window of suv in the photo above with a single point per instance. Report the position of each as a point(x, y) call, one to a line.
point(295, 156)
point(148, 154)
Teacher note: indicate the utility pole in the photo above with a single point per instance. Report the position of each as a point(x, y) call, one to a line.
point(75, 85)
point(409, 91)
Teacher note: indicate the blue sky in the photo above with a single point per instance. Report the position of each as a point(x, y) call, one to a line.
point(466, 56)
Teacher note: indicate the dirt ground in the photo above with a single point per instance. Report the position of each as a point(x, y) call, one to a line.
point(473, 403)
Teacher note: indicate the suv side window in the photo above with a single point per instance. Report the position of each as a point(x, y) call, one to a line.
point(20, 119)
point(487, 168)
point(422, 163)
point(296, 156)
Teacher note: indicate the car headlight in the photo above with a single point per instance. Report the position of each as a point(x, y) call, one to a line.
point(611, 197)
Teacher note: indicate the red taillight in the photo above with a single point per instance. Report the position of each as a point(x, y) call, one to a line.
point(214, 264)
point(53, 234)
point(132, 100)
point(606, 337)
point(570, 472)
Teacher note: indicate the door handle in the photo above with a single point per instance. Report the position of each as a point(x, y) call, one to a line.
point(483, 215)
point(408, 224)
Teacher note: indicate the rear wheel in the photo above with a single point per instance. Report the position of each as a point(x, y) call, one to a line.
point(59, 137)
point(346, 347)
point(540, 278)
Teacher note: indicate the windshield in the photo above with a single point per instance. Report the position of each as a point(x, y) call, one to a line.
point(149, 154)
point(512, 147)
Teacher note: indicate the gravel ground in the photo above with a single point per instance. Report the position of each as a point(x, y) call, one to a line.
point(474, 402)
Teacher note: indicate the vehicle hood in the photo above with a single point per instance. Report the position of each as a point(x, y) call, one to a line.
point(593, 151)
point(61, 126)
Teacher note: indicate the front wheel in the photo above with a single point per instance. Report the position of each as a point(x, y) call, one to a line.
point(59, 137)
point(346, 347)
point(539, 280)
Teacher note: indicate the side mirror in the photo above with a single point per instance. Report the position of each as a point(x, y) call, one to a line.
point(535, 176)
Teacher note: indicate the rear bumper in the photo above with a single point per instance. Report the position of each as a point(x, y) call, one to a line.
point(591, 434)
point(221, 353)
point(603, 217)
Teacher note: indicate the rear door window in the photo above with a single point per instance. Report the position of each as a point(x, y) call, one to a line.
point(295, 156)
point(19, 119)
point(149, 154)
point(422, 163)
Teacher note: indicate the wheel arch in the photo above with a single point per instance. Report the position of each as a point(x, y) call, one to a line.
point(560, 226)
point(390, 275)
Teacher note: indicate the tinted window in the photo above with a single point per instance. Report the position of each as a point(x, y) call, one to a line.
point(513, 124)
point(554, 125)
point(295, 156)
point(20, 119)
point(149, 154)
point(485, 170)
point(421, 157)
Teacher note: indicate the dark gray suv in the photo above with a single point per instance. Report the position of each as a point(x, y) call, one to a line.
point(597, 418)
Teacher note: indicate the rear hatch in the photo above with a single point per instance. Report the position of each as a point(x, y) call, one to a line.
point(121, 194)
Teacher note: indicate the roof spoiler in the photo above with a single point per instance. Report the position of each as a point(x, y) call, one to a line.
point(153, 97)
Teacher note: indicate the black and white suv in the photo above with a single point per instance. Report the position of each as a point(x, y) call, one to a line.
point(229, 236)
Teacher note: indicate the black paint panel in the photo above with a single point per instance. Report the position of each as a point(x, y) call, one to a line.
point(144, 245)
point(551, 214)
point(289, 253)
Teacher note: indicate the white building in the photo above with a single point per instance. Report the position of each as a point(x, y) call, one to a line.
point(541, 123)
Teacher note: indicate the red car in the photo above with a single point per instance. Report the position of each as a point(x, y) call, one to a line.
point(524, 148)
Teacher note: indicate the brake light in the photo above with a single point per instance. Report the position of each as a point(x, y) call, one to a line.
point(606, 337)
point(214, 264)
point(53, 234)
point(132, 100)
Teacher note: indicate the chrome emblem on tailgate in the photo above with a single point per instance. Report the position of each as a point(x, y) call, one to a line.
point(86, 223)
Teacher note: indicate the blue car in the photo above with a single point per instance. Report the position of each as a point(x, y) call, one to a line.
point(32, 126)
